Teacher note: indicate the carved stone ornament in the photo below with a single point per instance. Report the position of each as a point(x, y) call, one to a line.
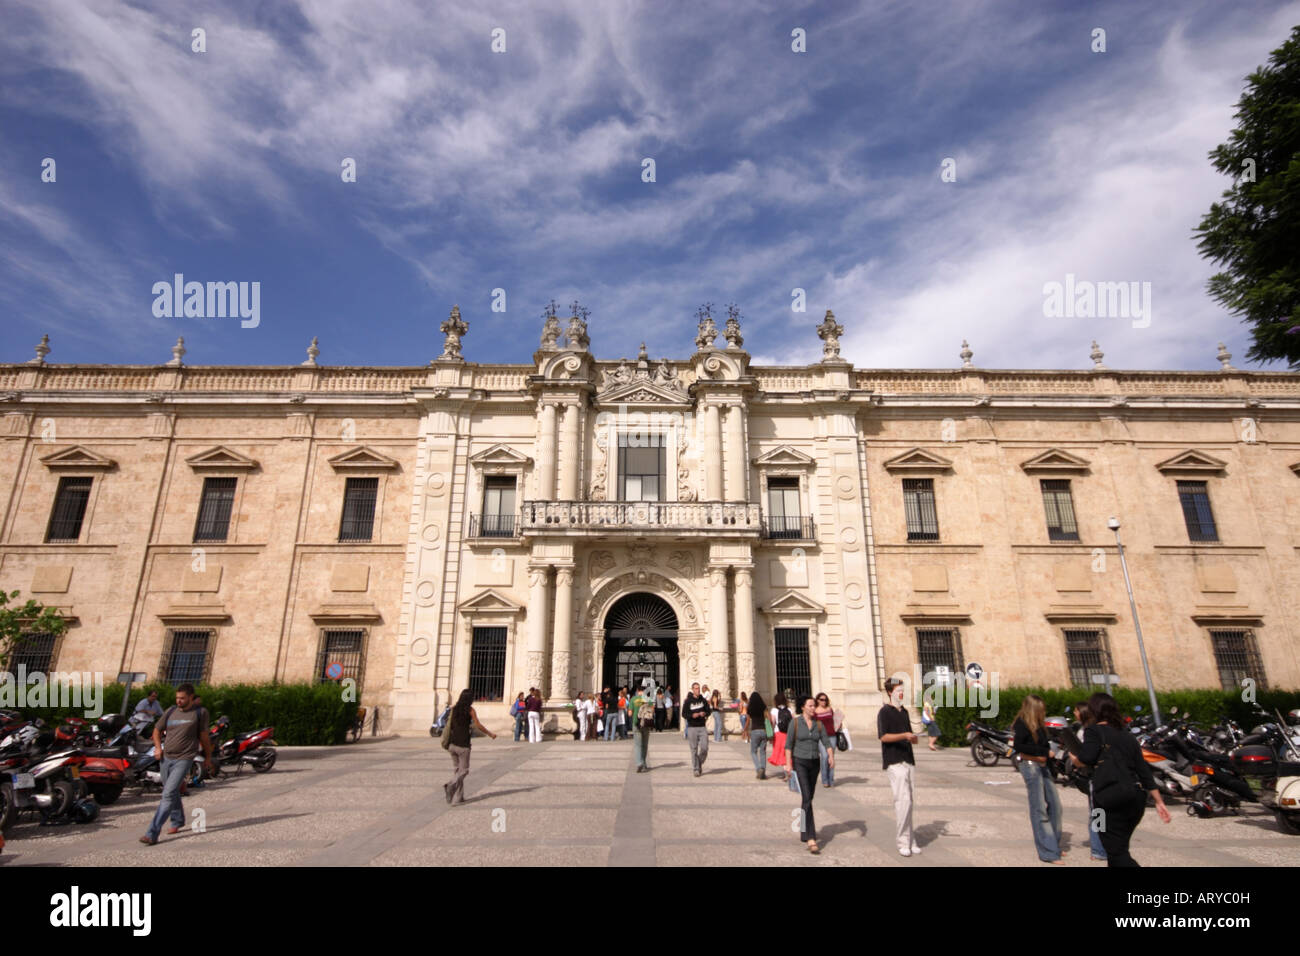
point(829, 332)
point(706, 331)
point(683, 562)
point(453, 328)
point(600, 562)
point(732, 333)
point(575, 337)
point(550, 328)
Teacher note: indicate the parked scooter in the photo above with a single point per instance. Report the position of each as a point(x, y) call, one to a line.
point(987, 745)
point(1270, 759)
point(36, 779)
point(255, 748)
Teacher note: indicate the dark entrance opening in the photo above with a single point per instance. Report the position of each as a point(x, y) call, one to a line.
point(640, 642)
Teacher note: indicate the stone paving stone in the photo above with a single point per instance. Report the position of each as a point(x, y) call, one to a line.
point(503, 855)
point(475, 822)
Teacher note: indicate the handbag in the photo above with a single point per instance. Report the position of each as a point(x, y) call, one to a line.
point(1113, 782)
point(841, 742)
point(444, 741)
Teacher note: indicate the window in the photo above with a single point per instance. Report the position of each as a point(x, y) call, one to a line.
point(186, 656)
point(792, 667)
point(1059, 506)
point(487, 663)
point(214, 509)
point(1237, 658)
point(918, 504)
point(498, 507)
point(69, 509)
point(939, 652)
point(783, 517)
point(34, 652)
point(641, 466)
point(1195, 499)
point(1086, 655)
point(359, 509)
point(341, 646)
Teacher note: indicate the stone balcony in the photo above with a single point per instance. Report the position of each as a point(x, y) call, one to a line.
point(678, 518)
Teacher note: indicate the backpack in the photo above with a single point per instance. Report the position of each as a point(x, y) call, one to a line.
point(783, 719)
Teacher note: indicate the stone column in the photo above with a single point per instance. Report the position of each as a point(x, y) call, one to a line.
point(735, 454)
point(745, 659)
point(568, 490)
point(546, 454)
point(719, 673)
point(562, 656)
point(712, 454)
point(538, 588)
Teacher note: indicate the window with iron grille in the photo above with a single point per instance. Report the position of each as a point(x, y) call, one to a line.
point(918, 503)
point(186, 655)
point(784, 519)
point(1086, 654)
point(33, 651)
point(1195, 499)
point(498, 507)
point(642, 458)
point(792, 665)
point(939, 647)
point(69, 509)
point(359, 509)
point(343, 646)
point(214, 509)
point(487, 663)
point(1237, 656)
point(1059, 506)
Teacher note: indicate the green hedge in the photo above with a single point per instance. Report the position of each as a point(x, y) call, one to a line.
point(302, 714)
point(1205, 707)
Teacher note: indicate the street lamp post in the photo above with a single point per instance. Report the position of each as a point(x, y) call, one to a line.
point(1113, 524)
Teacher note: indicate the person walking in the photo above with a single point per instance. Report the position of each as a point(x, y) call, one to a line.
point(644, 715)
point(780, 724)
point(178, 736)
point(894, 728)
point(661, 712)
point(459, 725)
point(756, 714)
point(715, 705)
point(695, 712)
point(1031, 752)
point(1121, 779)
point(931, 724)
point(519, 712)
point(1083, 714)
point(826, 716)
point(805, 741)
point(533, 706)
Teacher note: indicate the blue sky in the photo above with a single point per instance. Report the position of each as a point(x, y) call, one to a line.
point(522, 171)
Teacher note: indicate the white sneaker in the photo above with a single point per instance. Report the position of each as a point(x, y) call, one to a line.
point(904, 851)
point(915, 849)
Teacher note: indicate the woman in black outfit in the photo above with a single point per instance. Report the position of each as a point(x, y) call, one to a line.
point(459, 724)
point(803, 758)
point(1121, 778)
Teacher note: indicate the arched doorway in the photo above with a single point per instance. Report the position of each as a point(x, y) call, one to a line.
point(640, 642)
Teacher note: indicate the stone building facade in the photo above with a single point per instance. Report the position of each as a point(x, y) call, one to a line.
point(578, 522)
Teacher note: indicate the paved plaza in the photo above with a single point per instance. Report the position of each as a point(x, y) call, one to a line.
point(565, 803)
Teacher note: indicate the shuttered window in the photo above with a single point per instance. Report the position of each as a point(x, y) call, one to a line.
point(1194, 496)
point(69, 509)
point(1059, 505)
point(214, 509)
point(359, 509)
point(642, 461)
point(918, 504)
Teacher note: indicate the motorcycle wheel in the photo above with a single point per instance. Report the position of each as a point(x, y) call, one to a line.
point(1288, 822)
point(262, 766)
point(984, 755)
point(106, 796)
point(7, 811)
point(64, 796)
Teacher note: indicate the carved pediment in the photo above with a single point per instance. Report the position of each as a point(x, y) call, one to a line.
point(784, 456)
point(1192, 461)
point(642, 392)
point(79, 458)
point(501, 455)
point(489, 602)
point(220, 457)
point(362, 458)
point(1055, 461)
point(792, 602)
point(918, 459)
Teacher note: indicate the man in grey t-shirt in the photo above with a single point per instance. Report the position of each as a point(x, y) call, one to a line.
point(178, 736)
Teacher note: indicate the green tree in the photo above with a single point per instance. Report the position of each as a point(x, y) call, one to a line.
point(1255, 231)
point(17, 622)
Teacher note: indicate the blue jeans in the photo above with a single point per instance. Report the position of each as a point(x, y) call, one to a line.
point(828, 772)
point(1044, 810)
point(174, 773)
point(717, 725)
point(611, 724)
point(758, 750)
point(640, 745)
point(521, 725)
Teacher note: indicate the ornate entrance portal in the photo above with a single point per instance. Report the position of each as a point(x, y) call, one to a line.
point(640, 642)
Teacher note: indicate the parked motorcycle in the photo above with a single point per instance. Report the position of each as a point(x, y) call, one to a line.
point(35, 778)
point(1269, 759)
point(255, 748)
point(987, 744)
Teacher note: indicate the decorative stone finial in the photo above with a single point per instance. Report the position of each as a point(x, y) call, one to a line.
point(732, 333)
point(575, 337)
point(312, 352)
point(1225, 359)
point(453, 328)
point(829, 332)
point(42, 350)
point(966, 354)
point(178, 350)
point(706, 331)
point(642, 358)
point(1097, 355)
point(550, 327)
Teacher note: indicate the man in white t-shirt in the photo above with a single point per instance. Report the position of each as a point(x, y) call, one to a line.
point(580, 711)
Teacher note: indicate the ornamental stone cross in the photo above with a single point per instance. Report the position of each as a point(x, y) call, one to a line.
point(453, 328)
point(706, 330)
point(732, 333)
point(829, 332)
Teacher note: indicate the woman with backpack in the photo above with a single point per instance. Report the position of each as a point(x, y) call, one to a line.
point(1121, 779)
point(644, 716)
point(780, 724)
point(456, 742)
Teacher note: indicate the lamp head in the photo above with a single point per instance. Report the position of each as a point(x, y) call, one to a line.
point(1113, 524)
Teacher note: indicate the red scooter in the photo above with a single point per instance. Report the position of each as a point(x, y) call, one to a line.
point(255, 748)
